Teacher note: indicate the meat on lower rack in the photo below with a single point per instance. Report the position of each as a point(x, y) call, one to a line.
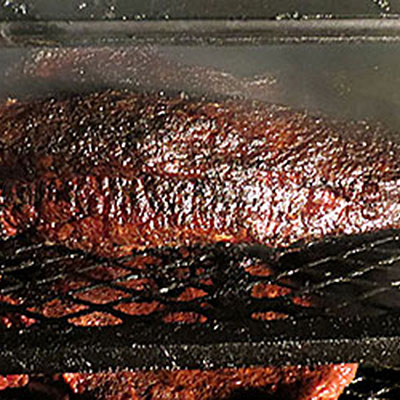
point(270, 383)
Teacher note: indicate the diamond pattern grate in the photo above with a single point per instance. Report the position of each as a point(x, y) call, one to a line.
point(333, 300)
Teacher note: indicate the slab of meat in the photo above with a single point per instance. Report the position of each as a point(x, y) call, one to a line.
point(269, 383)
point(115, 171)
point(289, 383)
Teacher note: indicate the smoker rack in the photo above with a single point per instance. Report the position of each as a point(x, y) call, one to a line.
point(334, 301)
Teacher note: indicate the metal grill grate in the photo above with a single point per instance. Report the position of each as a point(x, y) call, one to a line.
point(223, 305)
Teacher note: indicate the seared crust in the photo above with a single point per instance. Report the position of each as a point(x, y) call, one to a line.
point(114, 171)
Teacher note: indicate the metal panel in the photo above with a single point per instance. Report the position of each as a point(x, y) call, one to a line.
point(193, 9)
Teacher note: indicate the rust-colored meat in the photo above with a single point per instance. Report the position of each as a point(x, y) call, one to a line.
point(269, 383)
point(115, 171)
point(288, 383)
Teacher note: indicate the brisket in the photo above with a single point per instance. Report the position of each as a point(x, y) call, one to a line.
point(116, 171)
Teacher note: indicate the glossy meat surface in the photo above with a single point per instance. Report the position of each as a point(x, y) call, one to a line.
point(115, 171)
point(289, 383)
point(269, 383)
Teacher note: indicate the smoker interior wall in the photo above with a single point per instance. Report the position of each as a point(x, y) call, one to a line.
point(189, 9)
point(345, 81)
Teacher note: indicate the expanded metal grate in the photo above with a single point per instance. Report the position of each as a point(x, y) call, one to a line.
point(336, 300)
